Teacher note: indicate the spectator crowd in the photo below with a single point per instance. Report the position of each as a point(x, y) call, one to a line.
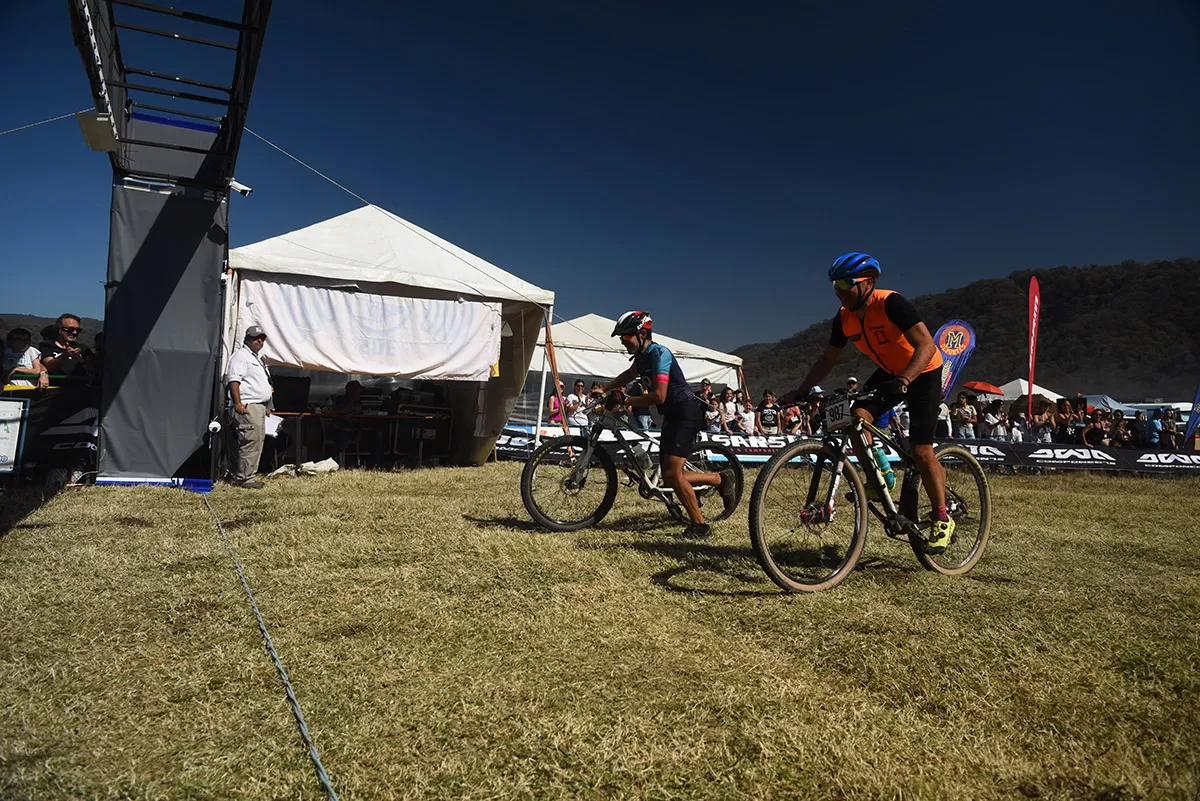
point(1068, 421)
point(59, 353)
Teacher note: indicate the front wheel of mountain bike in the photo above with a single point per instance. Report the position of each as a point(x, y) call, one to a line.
point(808, 526)
point(563, 494)
point(969, 502)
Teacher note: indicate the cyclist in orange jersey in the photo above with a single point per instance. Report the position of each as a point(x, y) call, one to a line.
point(885, 326)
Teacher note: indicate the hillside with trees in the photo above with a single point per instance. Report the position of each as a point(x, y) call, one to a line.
point(35, 325)
point(1130, 330)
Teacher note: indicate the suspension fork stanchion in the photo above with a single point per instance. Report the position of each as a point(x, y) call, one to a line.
point(593, 441)
point(838, 466)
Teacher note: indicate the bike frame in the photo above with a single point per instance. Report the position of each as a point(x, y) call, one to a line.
point(852, 439)
point(648, 482)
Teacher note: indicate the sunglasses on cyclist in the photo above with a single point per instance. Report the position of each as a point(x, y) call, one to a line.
point(846, 284)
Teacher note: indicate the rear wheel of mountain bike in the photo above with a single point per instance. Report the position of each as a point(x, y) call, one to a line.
point(562, 494)
point(807, 537)
point(969, 502)
point(712, 457)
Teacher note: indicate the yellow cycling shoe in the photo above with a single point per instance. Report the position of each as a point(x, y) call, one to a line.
point(939, 536)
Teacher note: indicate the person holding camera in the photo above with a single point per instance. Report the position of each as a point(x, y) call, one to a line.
point(66, 355)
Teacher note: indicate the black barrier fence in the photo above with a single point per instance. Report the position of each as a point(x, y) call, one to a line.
point(61, 426)
point(516, 442)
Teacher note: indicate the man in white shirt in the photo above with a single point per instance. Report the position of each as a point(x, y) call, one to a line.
point(249, 385)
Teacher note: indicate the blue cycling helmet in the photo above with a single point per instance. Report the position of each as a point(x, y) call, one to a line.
point(853, 265)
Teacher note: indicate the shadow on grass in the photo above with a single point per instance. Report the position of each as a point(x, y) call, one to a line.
point(643, 522)
point(695, 557)
point(882, 571)
point(506, 522)
point(635, 523)
point(17, 504)
point(667, 579)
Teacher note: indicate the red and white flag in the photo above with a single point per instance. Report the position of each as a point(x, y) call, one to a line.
point(1035, 308)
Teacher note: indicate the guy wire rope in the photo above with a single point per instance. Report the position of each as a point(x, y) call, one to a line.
point(287, 684)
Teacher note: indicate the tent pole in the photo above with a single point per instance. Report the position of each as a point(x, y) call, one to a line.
point(742, 379)
point(557, 379)
point(537, 424)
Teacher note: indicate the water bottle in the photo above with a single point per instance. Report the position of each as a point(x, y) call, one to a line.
point(885, 467)
point(642, 454)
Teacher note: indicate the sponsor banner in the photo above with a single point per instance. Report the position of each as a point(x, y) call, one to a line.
point(1035, 308)
point(62, 427)
point(956, 341)
point(516, 442)
point(1080, 457)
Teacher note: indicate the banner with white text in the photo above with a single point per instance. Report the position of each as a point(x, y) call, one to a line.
point(517, 442)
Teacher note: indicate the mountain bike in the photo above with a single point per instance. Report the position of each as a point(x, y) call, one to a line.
point(810, 507)
point(570, 482)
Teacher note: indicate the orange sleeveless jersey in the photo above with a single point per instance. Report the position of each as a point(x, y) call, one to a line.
point(880, 338)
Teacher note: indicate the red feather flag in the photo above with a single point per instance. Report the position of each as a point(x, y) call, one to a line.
point(1035, 308)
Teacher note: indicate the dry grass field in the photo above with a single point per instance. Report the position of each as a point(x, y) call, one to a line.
point(442, 646)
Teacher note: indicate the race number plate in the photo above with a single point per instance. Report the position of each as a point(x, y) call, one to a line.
point(837, 414)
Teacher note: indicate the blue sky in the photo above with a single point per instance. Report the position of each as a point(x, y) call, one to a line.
point(701, 162)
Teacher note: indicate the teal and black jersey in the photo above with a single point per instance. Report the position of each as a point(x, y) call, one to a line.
point(657, 365)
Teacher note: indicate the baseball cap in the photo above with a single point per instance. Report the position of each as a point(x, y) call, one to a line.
point(816, 391)
point(254, 332)
point(851, 380)
point(705, 382)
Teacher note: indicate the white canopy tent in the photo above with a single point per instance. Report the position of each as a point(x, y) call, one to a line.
point(368, 292)
point(1019, 386)
point(585, 346)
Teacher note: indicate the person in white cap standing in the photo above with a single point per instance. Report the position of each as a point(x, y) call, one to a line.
point(249, 385)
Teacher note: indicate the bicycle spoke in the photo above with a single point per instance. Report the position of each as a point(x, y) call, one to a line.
point(563, 491)
point(807, 537)
point(967, 501)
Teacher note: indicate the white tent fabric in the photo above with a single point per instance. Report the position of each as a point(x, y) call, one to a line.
point(1019, 386)
point(368, 258)
point(356, 332)
point(372, 244)
point(585, 346)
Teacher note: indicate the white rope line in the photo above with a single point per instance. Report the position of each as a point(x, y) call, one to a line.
point(43, 122)
point(421, 234)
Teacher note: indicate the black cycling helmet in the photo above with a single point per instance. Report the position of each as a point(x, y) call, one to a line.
point(631, 322)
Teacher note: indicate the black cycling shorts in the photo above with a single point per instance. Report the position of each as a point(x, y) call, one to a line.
point(924, 398)
point(679, 430)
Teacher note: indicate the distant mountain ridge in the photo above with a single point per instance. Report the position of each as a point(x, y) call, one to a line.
point(1129, 330)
